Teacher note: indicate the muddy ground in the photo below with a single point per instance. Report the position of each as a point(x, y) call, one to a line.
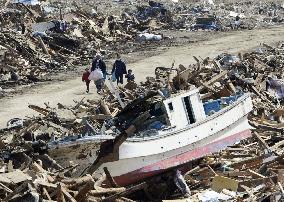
point(67, 87)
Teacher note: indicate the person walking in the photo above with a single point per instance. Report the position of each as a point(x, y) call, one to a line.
point(130, 76)
point(119, 68)
point(99, 64)
point(85, 78)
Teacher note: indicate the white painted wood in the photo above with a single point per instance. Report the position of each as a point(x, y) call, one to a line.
point(178, 116)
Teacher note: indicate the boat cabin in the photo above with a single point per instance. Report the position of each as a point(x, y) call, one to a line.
point(184, 108)
point(163, 113)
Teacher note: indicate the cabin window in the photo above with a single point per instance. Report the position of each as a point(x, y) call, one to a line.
point(189, 110)
point(171, 106)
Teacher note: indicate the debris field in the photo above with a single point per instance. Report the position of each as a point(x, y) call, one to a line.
point(40, 39)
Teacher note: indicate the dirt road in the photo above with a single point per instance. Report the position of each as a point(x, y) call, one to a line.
point(67, 91)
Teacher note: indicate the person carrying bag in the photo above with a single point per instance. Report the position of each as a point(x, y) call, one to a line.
point(98, 72)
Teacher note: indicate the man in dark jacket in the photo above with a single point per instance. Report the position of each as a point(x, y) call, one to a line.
point(119, 68)
point(98, 63)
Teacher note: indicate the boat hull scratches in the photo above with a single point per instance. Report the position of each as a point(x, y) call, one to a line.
point(181, 159)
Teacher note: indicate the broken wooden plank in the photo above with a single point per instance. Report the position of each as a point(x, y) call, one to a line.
point(83, 192)
point(106, 191)
point(213, 80)
point(42, 45)
point(39, 109)
point(7, 189)
point(45, 193)
point(14, 177)
point(126, 192)
point(110, 178)
point(219, 183)
point(60, 196)
point(281, 188)
point(67, 195)
point(255, 134)
point(100, 117)
point(254, 182)
point(256, 174)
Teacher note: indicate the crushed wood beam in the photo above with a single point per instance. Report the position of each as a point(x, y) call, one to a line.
point(195, 169)
point(110, 178)
point(100, 116)
point(213, 80)
point(108, 191)
point(212, 170)
point(281, 188)
point(45, 192)
point(126, 192)
point(39, 109)
point(60, 196)
point(7, 189)
point(43, 45)
point(76, 182)
point(256, 174)
point(104, 107)
point(82, 194)
point(261, 140)
point(67, 195)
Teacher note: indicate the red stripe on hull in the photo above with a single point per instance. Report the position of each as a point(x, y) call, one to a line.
point(180, 159)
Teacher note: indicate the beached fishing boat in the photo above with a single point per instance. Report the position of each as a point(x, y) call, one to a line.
point(177, 129)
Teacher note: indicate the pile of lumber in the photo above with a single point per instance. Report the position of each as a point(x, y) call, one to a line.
point(249, 171)
point(39, 178)
point(35, 44)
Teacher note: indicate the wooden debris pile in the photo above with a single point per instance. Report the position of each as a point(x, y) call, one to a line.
point(32, 177)
point(20, 61)
point(259, 72)
point(249, 171)
point(24, 58)
point(85, 117)
point(227, 15)
point(223, 76)
point(35, 42)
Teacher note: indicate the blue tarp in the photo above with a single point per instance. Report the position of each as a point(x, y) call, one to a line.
point(216, 105)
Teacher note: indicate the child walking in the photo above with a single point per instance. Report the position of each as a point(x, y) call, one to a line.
point(130, 76)
point(85, 78)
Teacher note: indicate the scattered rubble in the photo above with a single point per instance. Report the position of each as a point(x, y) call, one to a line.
point(41, 38)
point(249, 171)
